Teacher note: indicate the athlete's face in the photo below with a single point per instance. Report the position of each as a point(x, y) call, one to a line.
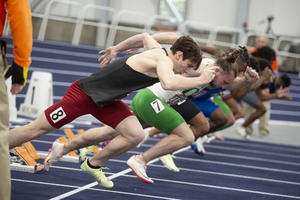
point(182, 66)
point(242, 66)
point(279, 83)
point(222, 79)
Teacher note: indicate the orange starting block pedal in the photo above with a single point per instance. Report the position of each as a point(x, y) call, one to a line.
point(64, 140)
point(31, 150)
point(31, 165)
point(70, 134)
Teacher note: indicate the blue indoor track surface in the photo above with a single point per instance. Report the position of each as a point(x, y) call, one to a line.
point(233, 169)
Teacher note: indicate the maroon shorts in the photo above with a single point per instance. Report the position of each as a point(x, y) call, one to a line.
point(227, 97)
point(76, 103)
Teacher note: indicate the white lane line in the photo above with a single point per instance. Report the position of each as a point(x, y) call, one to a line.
point(235, 189)
point(241, 176)
point(89, 185)
point(59, 71)
point(240, 165)
point(286, 103)
point(110, 177)
point(61, 61)
point(255, 159)
point(169, 181)
point(270, 146)
point(197, 171)
point(217, 146)
point(96, 189)
point(222, 163)
point(284, 112)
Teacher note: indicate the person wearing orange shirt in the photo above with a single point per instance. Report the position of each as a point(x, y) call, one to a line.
point(263, 126)
point(19, 16)
point(262, 41)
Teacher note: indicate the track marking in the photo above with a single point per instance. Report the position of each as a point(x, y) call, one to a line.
point(214, 146)
point(197, 171)
point(96, 189)
point(240, 165)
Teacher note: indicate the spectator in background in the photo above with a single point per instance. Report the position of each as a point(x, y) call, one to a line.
point(262, 42)
point(277, 88)
point(19, 16)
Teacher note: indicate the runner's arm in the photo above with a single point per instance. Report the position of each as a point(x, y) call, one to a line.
point(136, 41)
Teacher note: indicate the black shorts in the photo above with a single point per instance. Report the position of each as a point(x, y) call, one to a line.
point(187, 110)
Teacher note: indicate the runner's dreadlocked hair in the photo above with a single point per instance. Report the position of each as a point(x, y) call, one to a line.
point(244, 56)
point(227, 61)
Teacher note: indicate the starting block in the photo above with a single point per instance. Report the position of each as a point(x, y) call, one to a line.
point(31, 150)
point(23, 157)
point(71, 157)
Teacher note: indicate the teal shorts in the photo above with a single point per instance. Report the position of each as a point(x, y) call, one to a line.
point(149, 109)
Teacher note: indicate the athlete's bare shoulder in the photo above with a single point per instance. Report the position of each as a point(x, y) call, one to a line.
point(147, 61)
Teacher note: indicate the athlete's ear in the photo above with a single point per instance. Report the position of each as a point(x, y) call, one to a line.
point(179, 55)
point(218, 70)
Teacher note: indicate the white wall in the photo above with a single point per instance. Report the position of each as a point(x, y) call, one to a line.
point(286, 16)
point(145, 6)
point(215, 12)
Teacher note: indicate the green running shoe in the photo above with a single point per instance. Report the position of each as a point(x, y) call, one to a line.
point(168, 162)
point(85, 151)
point(97, 174)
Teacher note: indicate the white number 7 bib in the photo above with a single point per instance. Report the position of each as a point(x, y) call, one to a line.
point(157, 106)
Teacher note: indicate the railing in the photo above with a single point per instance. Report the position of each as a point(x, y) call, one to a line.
point(116, 26)
point(286, 54)
point(81, 21)
point(47, 16)
point(236, 34)
point(156, 18)
point(189, 25)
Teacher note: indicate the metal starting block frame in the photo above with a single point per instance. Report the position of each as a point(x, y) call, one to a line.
point(29, 156)
point(30, 164)
point(23, 168)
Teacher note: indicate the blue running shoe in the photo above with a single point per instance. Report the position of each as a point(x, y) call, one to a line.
point(198, 150)
point(104, 144)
